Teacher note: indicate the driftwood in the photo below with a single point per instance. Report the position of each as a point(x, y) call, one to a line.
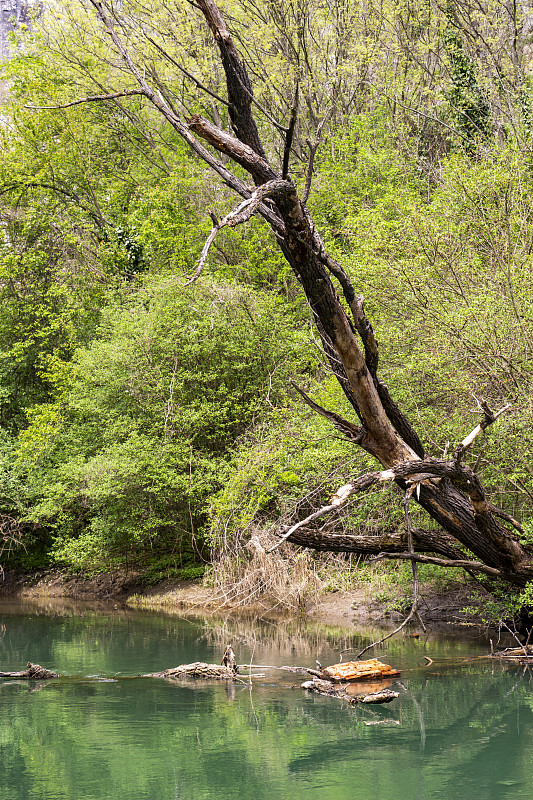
point(330, 689)
point(198, 669)
point(228, 670)
point(370, 670)
point(33, 672)
point(523, 654)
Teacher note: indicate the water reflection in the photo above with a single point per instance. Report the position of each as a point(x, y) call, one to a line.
point(458, 729)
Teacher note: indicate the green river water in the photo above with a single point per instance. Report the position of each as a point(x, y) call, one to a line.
point(456, 731)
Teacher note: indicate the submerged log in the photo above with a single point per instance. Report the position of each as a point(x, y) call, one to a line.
point(330, 689)
point(523, 654)
point(33, 672)
point(359, 671)
point(198, 669)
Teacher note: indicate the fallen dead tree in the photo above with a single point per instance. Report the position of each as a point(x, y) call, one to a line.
point(344, 680)
point(325, 682)
point(359, 671)
point(33, 672)
point(521, 655)
point(226, 670)
point(198, 669)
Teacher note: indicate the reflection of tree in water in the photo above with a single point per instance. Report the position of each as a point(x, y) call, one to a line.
point(450, 723)
point(469, 732)
point(284, 640)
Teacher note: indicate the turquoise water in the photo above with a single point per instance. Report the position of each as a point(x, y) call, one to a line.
point(457, 730)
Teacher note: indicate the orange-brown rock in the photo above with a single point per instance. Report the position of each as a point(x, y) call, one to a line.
point(360, 671)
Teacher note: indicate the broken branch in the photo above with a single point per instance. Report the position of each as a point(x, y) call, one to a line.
point(488, 419)
point(238, 215)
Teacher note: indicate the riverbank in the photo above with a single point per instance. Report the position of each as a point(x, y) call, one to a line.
point(449, 605)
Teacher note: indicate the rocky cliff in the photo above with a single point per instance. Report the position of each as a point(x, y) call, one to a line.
point(13, 13)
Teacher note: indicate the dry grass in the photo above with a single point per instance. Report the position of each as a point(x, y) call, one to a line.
point(249, 575)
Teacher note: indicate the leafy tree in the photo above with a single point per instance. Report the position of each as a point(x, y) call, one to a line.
point(125, 461)
point(145, 87)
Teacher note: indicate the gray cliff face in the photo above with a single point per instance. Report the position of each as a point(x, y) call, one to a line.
point(12, 14)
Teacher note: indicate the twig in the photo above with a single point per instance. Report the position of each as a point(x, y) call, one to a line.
point(414, 564)
point(408, 618)
point(513, 634)
point(488, 419)
point(414, 607)
point(90, 99)
point(312, 153)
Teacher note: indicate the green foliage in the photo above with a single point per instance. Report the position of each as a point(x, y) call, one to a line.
point(138, 403)
point(469, 105)
point(170, 568)
point(128, 457)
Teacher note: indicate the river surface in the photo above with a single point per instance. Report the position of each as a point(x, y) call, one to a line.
point(458, 730)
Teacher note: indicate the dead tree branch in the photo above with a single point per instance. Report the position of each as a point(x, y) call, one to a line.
point(237, 216)
point(474, 566)
point(489, 417)
point(313, 147)
point(95, 98)
point(289, 135)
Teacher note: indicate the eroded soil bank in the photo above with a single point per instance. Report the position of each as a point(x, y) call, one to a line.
point(450, 606)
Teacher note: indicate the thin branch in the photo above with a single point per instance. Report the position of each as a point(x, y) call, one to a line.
point(414, 565)
point(290, 134)
point(351, 431)
point(90, 99)
point(303, 522)
point(476, 566)
point(408, 618)
point(414, 607)
point(184, 71)
point(415, 110)
point(312, 153)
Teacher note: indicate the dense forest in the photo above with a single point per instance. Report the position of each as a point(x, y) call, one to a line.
point(159, 396)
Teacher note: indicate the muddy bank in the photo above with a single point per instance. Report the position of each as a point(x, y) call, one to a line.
point(55, 583)
point(342, 608)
